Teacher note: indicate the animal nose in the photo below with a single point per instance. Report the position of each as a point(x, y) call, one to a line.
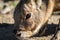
point(19, 34)
point(28, 15)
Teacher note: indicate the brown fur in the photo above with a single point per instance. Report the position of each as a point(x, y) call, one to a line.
point(57, 5)
point(37, 16)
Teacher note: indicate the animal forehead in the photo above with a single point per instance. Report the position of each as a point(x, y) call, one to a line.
point(29, 8)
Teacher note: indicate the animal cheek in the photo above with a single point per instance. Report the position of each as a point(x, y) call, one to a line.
point(21, 28)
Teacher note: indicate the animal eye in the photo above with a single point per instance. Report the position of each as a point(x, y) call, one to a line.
point(4, 6)
point(28, 16)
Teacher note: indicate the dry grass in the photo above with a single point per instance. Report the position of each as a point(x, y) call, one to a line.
point(6, 18)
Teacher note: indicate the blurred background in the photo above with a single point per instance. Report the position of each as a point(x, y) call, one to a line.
point(6, 10)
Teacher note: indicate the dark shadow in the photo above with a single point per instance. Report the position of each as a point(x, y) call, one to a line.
point(51, 29)
point(6, 32)
point(55, 13)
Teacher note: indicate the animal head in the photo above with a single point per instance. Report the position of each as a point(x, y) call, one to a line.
point(29, 16)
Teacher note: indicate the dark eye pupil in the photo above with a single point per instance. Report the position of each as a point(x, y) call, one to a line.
point(28, 16)
point(4, 6)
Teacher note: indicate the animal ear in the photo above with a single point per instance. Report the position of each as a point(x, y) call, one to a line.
point(38, 2)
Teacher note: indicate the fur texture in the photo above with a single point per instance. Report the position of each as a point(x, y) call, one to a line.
point(31, 15)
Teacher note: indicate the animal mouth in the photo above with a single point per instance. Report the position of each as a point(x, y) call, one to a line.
point(24, 34)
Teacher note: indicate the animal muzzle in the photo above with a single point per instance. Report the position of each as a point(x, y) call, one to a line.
point(24, 34)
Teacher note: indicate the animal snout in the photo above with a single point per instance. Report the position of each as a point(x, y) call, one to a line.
point(21, 28)
point(19, 35)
